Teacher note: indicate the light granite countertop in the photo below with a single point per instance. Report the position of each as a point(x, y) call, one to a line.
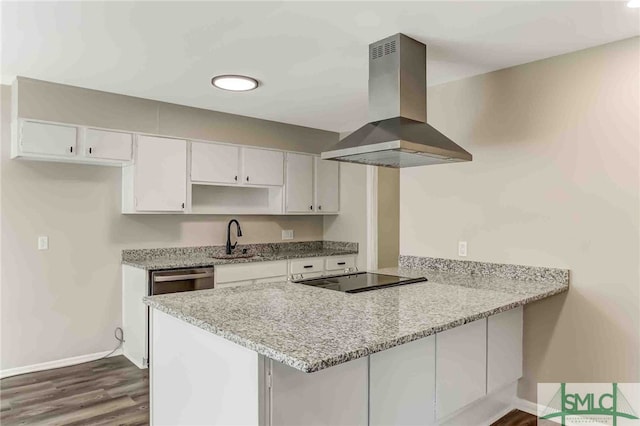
point(311, 328)
point(192, 257)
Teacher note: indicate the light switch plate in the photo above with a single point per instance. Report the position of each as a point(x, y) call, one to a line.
point(462, 248)
point(287, 234)
point(43, 242)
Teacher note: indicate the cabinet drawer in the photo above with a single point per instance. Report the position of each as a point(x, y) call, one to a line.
point(336, 263)
point(233, 284)
point(278, 279)
point(249, 271)
point(301, 266)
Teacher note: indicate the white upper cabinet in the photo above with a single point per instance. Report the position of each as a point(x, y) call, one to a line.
point(108, 145)
point(263, 167)
point(327, 186)
point(215, 163)
point(160, 174)
point(229, 164)
point(48, 139)
point(299, 183)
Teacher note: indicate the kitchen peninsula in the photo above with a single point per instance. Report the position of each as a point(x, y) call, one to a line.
point(282, 353)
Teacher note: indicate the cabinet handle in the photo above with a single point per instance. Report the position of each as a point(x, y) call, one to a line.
point(319, 207)
point(342, 263)
point(307, 266)
point(247, 178)
point(71, 149)
point(310, 207)
point(183, 205)
point(235, 178)
point(90, 149)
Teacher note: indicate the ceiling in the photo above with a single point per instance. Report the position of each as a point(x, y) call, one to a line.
point(311, 57)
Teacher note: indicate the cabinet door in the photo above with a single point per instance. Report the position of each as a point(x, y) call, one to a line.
point(504, 349)
point(160, 174)
point(299, 183)
point(402, 384)
point(333, 396)
point(108, 145)
point(263, 167)
point(49, 139)
point(214, 163)
point(461, 366)
point(327, 186)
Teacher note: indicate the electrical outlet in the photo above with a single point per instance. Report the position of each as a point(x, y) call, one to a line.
point(287, 234)
point(43, 242)
point(462, 248)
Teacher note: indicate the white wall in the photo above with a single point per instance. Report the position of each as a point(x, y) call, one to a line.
point(554, 182)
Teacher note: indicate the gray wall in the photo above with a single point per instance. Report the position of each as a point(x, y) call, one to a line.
point(66, 301)
point(554, 182)
point(388, 217)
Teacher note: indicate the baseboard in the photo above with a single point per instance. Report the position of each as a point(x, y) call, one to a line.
point(486, 410)
point(57, 363)
point(526, 406)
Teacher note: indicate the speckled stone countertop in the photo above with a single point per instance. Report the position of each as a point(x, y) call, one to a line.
point(191, 257)
point(311, 328)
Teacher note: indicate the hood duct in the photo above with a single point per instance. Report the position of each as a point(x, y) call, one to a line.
point(397, 135)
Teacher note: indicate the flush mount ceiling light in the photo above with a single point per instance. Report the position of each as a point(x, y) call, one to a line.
point(633, 3)
point(234, 83)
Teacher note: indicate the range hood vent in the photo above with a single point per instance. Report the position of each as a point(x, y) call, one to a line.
point(397, 135)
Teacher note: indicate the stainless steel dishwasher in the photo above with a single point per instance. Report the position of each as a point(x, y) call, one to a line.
point(179, 280)
point(176, 281)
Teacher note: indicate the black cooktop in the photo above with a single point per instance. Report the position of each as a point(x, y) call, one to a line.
point(359, 281)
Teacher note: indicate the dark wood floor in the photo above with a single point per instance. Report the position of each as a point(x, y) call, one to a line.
point(111, 391)
point(517, 418)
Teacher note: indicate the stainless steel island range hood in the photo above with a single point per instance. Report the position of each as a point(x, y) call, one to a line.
point(397, 135)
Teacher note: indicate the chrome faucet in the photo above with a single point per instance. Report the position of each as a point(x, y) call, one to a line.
point(239, 234)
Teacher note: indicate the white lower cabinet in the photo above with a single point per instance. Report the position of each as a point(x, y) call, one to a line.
point(248, 273)
point(402, 384)
point(430, 381)
point(334, 396)
point(461, 366)
point(504, 348)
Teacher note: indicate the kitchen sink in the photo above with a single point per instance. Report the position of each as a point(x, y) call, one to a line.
point(235, 255)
